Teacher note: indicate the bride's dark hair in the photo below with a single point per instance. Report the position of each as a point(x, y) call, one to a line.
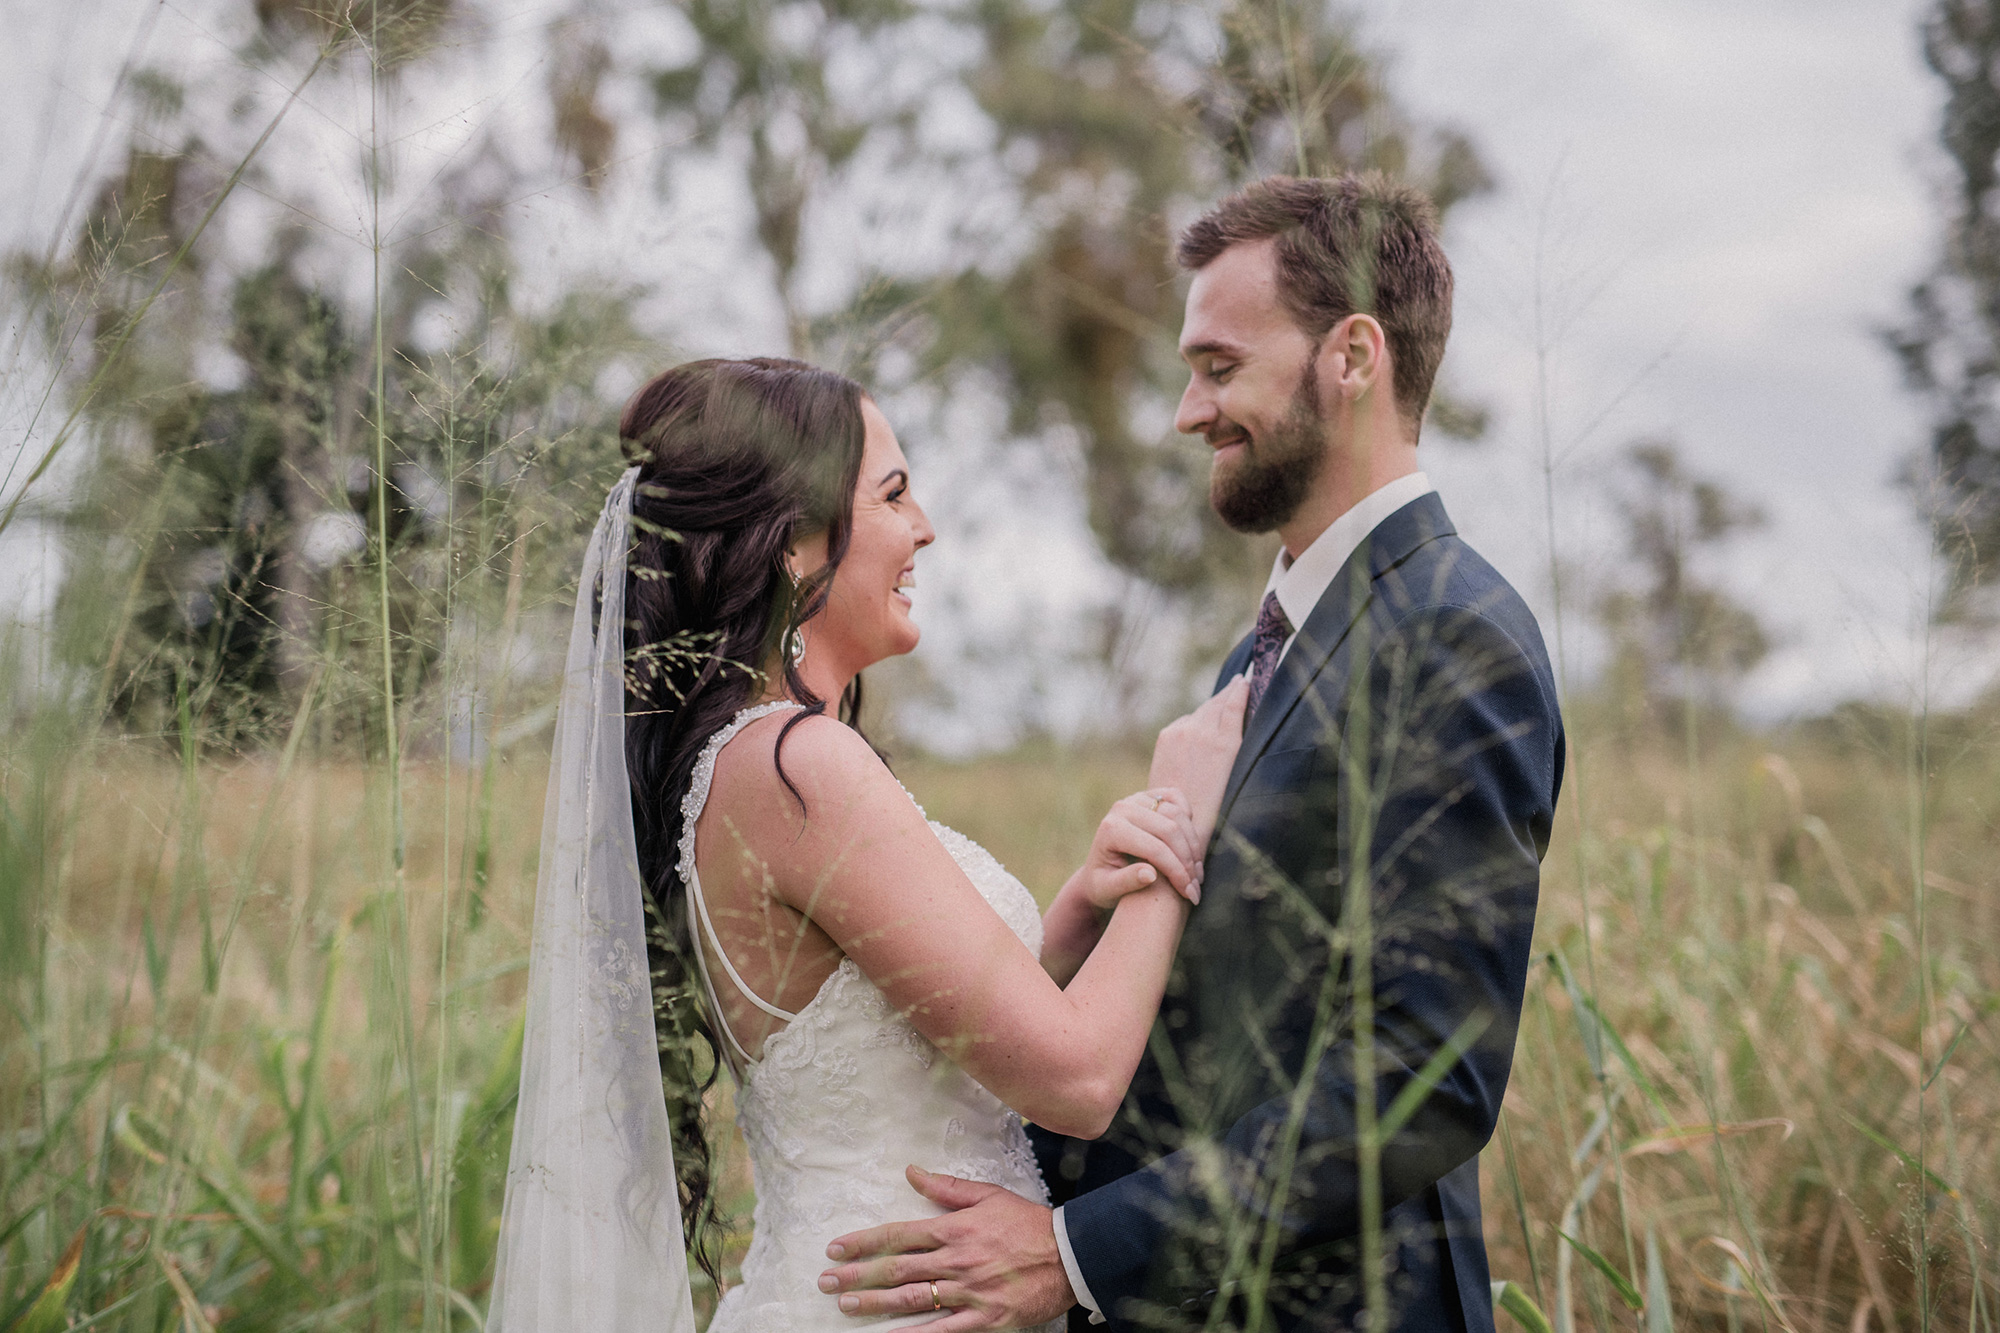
point(738, 460)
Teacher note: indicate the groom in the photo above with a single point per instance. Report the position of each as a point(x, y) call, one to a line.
point(1364, 932)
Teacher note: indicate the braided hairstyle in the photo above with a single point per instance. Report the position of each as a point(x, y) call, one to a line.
point(738, 460)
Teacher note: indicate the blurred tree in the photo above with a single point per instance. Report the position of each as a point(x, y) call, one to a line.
point(1127, 117)
point(1676, 635)
point(1041, 267)
point(1949, 348)
point(395, 31)
point(758, 88)
point(223, 554)
point(1109, 121)
point(183, 570)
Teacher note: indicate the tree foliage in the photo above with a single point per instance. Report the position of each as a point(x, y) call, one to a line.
point(1107, 123)
point(1949, 347)
point(759, 87)
point(970, 193)
point(1676, 633)
point(1127, 121)
point(225, 542)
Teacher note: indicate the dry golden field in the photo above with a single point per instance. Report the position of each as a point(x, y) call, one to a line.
point(263, 1071)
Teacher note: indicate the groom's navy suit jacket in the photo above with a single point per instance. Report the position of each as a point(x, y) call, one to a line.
point(1406, 755)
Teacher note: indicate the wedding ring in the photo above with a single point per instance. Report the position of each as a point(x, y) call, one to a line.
point(1154, 799)
point(937, 1301)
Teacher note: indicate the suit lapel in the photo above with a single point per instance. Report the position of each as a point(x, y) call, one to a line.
point(1236, 663)
point(1344, 602)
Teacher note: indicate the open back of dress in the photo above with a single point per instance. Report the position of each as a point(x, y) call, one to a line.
point(843, 1098)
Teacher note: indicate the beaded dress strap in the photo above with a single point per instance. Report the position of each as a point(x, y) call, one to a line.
point(698, 917)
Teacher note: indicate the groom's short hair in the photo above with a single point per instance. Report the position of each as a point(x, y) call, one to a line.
point(1346, 244)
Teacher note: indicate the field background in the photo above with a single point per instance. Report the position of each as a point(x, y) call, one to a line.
point(318, 316)
point(257, 1104)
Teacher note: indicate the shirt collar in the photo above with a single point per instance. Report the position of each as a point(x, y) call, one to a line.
point(1300, 583)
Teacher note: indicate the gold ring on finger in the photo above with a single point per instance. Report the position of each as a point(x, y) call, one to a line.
point(937, 1301)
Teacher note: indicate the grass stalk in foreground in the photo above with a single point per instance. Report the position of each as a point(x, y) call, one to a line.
point(1793, 1006)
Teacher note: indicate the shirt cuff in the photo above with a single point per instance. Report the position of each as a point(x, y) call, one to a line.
point(1078, 1287)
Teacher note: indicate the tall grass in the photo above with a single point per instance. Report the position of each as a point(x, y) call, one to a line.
point(214, 1005)
point(1758, 1093)
point(261, 1021)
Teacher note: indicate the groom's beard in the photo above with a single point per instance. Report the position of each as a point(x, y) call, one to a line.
point(1270, 477)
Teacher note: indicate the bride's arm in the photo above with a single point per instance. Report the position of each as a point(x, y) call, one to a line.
point(1145, 837)
point(1194, 755)
point(864, 865)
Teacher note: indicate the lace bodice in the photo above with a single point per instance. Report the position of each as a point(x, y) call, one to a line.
point(845, 1096)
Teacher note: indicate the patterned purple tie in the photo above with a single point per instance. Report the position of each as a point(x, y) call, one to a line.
point(1272, 631)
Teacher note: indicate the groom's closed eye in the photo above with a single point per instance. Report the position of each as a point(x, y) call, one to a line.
point(1208, 357)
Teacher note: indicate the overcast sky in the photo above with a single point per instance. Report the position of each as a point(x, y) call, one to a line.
point(1707, 209)
point(1704, 211)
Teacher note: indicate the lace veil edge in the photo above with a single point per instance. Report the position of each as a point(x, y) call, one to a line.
point(590, 1232)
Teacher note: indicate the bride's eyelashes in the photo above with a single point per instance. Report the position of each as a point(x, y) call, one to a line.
point(898, 483)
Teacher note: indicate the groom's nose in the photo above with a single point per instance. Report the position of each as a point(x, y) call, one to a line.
point(1197, 410)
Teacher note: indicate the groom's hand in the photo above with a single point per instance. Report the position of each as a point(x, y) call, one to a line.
point(993, 1259)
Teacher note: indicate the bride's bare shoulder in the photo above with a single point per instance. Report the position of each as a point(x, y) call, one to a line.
point(819, 761)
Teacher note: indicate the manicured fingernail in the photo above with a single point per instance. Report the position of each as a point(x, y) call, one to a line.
point(828, 1282)
point(920, 1171)
point(849, 1304)
point(836, 1251)
point(1147, 875)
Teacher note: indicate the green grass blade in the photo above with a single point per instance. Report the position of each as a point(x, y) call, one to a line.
point(1624, 1054)
point(54, 1130)
point(21, 1219)
point(50, 1309)
point(1619, 1282)
point(1508, 1296)
point(1413, 1093)
point(480, 1145)
point(1659, 1305)
point(1597, 1032)
point(1587, 1026)
point(309, 1083)
point(1881, 1140)
point(136, 1128)
point(1945, 1059)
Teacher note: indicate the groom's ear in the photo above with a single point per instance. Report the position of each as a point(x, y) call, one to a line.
point(1354, 357)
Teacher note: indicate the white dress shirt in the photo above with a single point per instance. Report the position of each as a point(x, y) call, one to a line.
point(1299, 581)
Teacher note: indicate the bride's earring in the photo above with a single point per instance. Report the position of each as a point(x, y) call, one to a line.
point(794, 642)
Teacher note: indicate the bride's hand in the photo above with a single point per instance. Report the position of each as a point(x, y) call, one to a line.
point(1195, 753)
point(1146, 836)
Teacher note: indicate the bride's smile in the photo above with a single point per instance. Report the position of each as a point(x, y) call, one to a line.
point(867, 616)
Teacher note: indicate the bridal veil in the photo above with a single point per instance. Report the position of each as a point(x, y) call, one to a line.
point(590, 1234)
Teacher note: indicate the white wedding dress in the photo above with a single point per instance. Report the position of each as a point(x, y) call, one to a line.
point(845, 1096)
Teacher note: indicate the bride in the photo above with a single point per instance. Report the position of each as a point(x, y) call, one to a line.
point(882, 990)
